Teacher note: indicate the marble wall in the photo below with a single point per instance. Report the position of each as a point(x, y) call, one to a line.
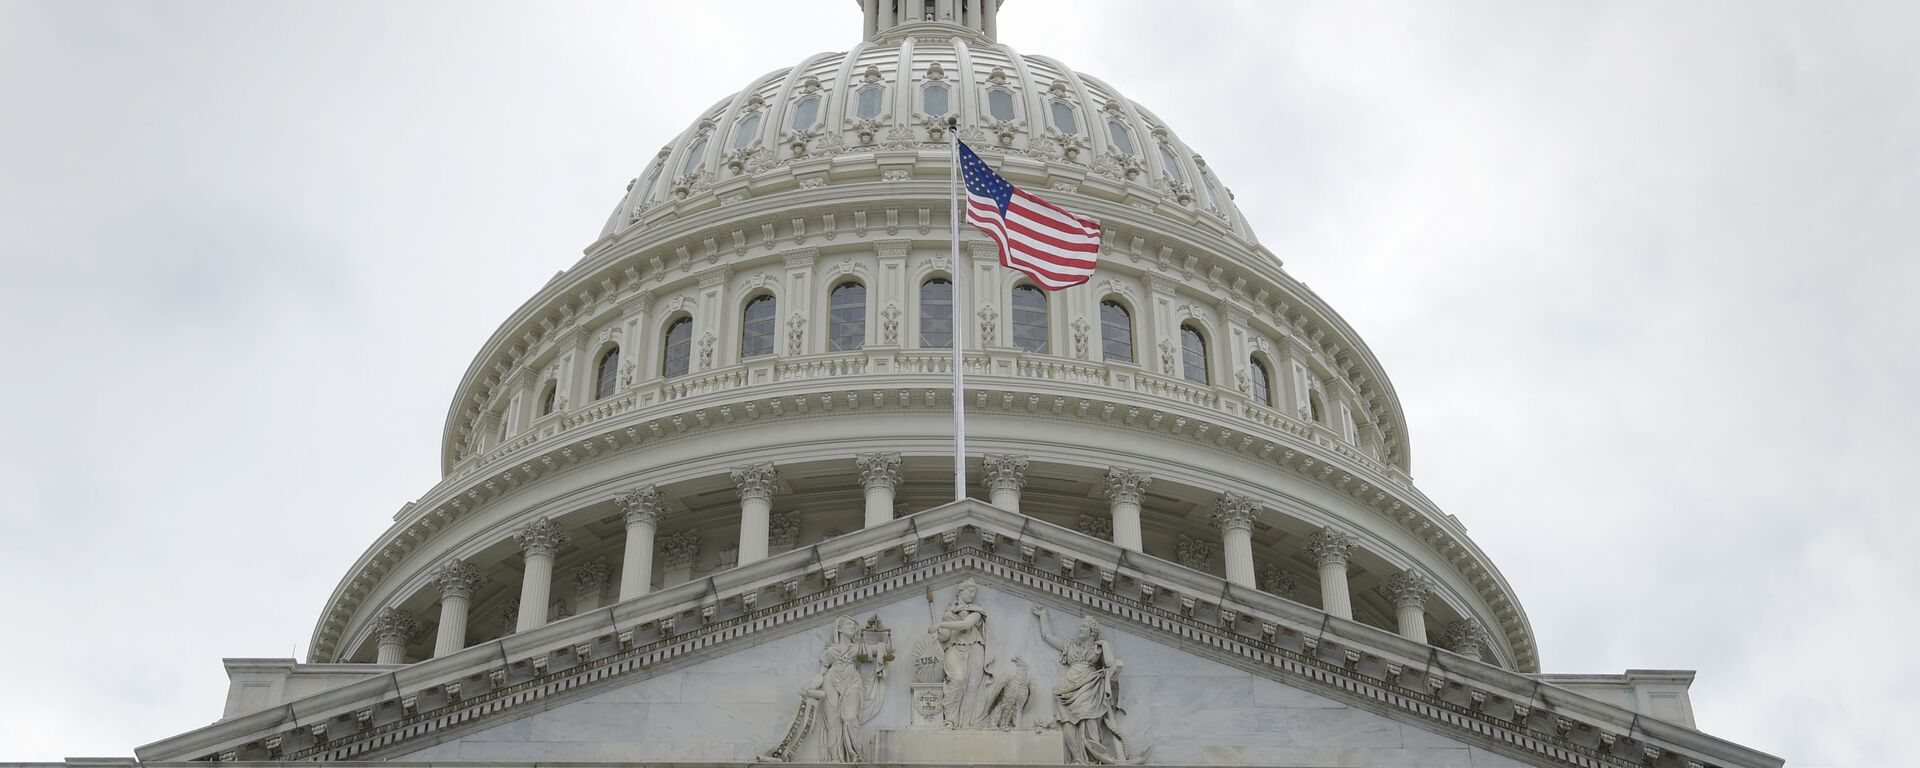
point(1188, 709)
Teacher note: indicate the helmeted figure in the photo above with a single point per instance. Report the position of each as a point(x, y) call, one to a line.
point(1087, 700)
point(962, 632)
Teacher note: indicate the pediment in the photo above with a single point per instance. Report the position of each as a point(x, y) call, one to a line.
point(711, 671)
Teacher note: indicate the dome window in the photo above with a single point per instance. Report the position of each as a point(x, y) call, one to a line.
point(1315, 410)
point(936, 313)
point(608, 374)
point(869, 102)
point(547, 398)
point(746, 131)
point(1212, 192)
point(806, 113)
point(1116, 332)
point(1172, 164)
point(1122, 138)
point(847, 317)
point(1063, 118)
point(1262, 383)
point(933, 100)
point(756, 327)
point(677, 351)
point(1029, 318)
point(1193, 354)
point(694, 156)
point(1000, 104)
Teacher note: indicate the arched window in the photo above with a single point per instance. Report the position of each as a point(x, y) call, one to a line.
point(806, 113)
point(868, 106)
point(1063, 117)
point(646, 192)
point(1262, 382)
point(756, 327)
point(1172, 163)
point(546, 398)
point(1000, 104)
point(695, 154)
point(1193, 354)
point(847, 317)
point(677, 351)
point(1122, 138)
point(1116, 332)
point(746, 131)
point(1213, 193)
point(933, 100)
point(936, 313)
point(1315, 410)
point(608, 374)
point(1029, 318)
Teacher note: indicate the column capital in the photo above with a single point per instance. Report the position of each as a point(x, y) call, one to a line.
point(1235, 512)
point(458, 578)
point(394, 625)
point(680, 550)
point(642, 505)
point(1277, 581)
point(1126, 486)
point(1409, 589)
point(591, 580)
point(1004, 471)
point(878, 470)
point(541, 537)
point(1194, 553)
point(755, 481)
point(1465, 637)
point(1330, 547)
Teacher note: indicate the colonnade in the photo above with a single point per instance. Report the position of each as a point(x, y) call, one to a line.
point(643, 508)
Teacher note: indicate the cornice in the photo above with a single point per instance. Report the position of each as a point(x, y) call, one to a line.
point(1514, 714)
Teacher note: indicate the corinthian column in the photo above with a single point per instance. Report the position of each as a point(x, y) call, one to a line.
point(458, 579)
point(539, 540)
point(1332, 549)
point(643, 510)
point(1006, 473)
point(1125, 489)
point(1409, 589)
point(879, 475)
point(756, 484)
point(1465, 637)
point(393, 626)
point(1234, 514)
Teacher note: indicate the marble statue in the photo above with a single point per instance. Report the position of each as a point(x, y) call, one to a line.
point(962, 633)
point(1087, 700)
point(843, 696)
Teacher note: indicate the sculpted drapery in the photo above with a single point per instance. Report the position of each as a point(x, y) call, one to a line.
point(1087, 699)
point(962, 632)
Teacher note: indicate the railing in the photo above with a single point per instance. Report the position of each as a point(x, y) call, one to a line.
point(987, 365)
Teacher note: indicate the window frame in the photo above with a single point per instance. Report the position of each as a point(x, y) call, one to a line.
point(1261, 378)
point(668, 347)
point(1125, 312)
point(1189, 354)
point(879, 101)
point(1015, 321)
point(928, 87)
point(606, 379)
point(836, 324)
point(749, 325)
point(920, 312)
point(1013, 104)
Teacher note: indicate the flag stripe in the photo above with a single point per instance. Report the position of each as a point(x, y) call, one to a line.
point(1054, 246)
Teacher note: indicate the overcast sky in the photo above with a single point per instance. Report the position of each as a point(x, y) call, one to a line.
point(1642, 275)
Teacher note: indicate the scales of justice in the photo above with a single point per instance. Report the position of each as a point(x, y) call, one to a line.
point(966, 704)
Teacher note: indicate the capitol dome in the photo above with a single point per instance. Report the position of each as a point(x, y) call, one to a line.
point(767, 315)
point(673, 477)
point(710, 466)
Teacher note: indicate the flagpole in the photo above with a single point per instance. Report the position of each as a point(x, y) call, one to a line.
point(959, 316)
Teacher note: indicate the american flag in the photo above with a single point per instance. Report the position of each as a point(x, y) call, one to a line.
point(1056, 248)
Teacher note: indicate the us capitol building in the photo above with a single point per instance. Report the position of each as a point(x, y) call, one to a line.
point(697, 502)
